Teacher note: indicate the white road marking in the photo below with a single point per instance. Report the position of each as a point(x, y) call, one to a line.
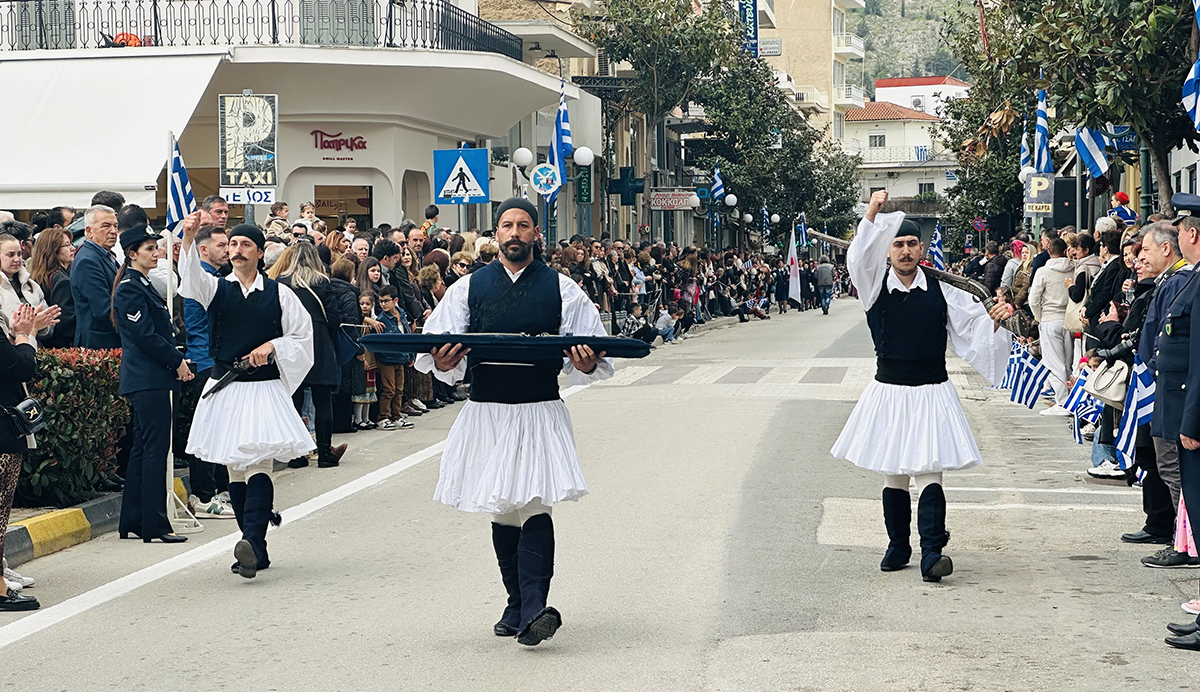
point(48, 617)
point(1041, 507)
point(1075, 491)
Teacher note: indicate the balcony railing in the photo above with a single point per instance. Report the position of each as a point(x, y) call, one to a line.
point(808, 95)
point(848, 93)
point(849, 42)
point(419, 24)
point(913, 154)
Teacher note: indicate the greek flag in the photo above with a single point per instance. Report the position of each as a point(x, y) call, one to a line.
point(803, 228)
point(936, 253)
point(1041, 138)
point(1089, 145)
point(1079, 402)
point(1031, 380)
point(1139, 409)
point(560, 146)
point(1077, 429)
point(1014, 366)
point(766, 221)
point(825, 248)
point(718, 186)
point(180, 200)
point(1191, 85)
point(1026, 155)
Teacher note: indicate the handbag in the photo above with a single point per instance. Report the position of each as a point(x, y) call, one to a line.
point(26, 417)
point(345, 348)
point(1110, 384)
point(1072, 322)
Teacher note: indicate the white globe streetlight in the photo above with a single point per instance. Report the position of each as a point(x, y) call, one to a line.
point(694, 201)
point(747, 218)
point(584, 157)
point(731, 200)
point(774, 218)
point(522, 157)
point(1025, 173)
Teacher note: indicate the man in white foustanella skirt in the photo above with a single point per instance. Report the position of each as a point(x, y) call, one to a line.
point(909, 423)
point(511, 452)
point(261, 341)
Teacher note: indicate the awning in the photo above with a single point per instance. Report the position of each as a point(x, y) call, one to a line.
point(79, 123)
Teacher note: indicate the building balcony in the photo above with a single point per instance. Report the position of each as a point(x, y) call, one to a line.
point(848, 46)
point(810, 97)
point(766, 14)
point(914, 155)
point(851, 146)
point(411, 24)
point(851, 4)
point(848, 95)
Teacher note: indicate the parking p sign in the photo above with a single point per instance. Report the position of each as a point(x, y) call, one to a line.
point(1039, 195)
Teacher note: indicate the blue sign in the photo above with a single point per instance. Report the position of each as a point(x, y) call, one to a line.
point(748, 15)
point(460, 176)
point(1125, 139)
point(544, 179)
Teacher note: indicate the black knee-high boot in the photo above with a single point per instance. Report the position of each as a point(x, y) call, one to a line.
point(535, 568)
point(931, 524)
point(505, 540)
point(251, 551)
point(897, 517)
point(237, 500)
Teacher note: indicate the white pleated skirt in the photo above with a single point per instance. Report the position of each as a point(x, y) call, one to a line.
point(499, 457)
point(248, 422)
point(900, 430)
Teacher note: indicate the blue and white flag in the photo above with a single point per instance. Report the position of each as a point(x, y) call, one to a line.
point(1139, 409)
point(718, 186)
point(1041, 138)
point(1089, 145)
point(1014, 366)
point(560, 146)
point(1077, 430)
point(766, 221)
point(1080, 403)
point(803, 228)
point(1191, 85)
point(1026, 155)
point(180, 200)
point(825, 248)
point(936, 253)
point(1031, 380)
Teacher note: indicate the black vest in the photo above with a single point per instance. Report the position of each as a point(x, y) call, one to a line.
point(239, 324)
point(909, 331)
point(531, 305)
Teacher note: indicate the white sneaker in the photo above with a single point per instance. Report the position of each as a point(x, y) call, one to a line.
point(1054, 410)
point(1108, 469)
point(419, 405)
point(223, 498)
point(12, 576)
point(13, 585)
point(386, 424)
point(213, 509)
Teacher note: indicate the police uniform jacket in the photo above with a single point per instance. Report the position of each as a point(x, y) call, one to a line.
point(149, 357)
point(1176, 383)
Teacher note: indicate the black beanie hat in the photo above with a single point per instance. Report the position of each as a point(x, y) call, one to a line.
point(250, 231)
point(518, 203)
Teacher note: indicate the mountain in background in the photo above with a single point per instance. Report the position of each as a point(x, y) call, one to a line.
point(903, 39)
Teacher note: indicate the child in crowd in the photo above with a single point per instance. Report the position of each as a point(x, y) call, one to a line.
point(665, 327)
point(635, 325)
point(391, 369)
point(363, 368)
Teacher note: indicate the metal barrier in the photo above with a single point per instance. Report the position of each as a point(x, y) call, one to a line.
point(418, 24)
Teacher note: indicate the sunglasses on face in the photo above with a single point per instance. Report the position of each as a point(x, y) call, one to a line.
point(461, 264)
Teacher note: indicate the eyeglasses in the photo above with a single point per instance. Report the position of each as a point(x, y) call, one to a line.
point(461, 264)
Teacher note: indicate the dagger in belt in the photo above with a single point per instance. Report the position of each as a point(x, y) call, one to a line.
point(239, 368)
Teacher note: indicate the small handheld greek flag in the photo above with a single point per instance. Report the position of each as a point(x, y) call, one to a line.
point(180, 200)
point(1139, 409)
point(1014, 366)
point(936, 253)
point(1080, 402)
point(1030, 381)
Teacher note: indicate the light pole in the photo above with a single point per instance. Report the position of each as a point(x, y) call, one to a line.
point(522, 158)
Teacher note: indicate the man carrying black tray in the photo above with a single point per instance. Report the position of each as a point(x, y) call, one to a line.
point(511, 452)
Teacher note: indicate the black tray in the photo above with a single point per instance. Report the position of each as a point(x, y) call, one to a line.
point(508, 348)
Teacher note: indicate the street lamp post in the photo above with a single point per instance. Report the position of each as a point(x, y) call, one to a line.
point(523, 158)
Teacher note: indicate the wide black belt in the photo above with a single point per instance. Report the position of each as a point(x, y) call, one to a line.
point(911, 373)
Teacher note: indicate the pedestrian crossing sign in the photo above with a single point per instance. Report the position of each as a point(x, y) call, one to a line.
point(461, 176)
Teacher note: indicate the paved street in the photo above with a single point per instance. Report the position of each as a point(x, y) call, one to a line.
point(722, 549)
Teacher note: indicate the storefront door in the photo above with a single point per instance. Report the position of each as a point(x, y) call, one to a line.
point(335, 203)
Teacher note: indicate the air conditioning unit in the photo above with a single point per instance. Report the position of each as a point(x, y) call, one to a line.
point(603, 68)
point(918, 103)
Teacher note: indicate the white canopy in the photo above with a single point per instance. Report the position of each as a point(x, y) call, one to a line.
point(94, 120)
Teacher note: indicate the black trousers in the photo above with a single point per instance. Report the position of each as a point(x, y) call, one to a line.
point(322, 396)
point(144, 502)
point(1156, 496)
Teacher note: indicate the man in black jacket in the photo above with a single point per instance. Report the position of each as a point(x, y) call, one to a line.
point(993, 271)
point(1106, 287)
point(388, 254)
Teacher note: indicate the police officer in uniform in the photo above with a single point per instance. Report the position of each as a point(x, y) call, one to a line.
point(1177, 383)
point(151, 370)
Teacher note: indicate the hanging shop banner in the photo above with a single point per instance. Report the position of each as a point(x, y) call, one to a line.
point(748, 15)
point(248, 127)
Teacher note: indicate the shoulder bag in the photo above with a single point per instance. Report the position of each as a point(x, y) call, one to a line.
point(1110, 384)
point(345, 348)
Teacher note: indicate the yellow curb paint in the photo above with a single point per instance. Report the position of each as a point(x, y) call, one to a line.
point(54, 531)
point(180, 491)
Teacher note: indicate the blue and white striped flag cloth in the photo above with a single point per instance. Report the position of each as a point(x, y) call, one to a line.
point(825, 248)
point(1080, 402)
point(1191, 85)
point(1077, 429)
point(718, 186)
point(1089, 145)
point(1030, 381)
point(1041, 138)
point(1139, 409)
point(1014, 366)
point(180, 200)
point(803, 239)
point(560, 146)
point(1026, 155)
point(766, 221)
point(936, 253)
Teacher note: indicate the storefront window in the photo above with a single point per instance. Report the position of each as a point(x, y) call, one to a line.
point(335, 203)
point(503, 147)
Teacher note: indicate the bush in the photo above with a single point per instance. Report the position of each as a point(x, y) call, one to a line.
point(85, 417)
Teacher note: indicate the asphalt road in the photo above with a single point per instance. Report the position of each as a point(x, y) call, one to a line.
point(722, 548)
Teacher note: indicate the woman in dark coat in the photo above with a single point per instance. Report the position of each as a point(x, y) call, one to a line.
point(300, 268)
point(50, 266)
point(346, 296)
